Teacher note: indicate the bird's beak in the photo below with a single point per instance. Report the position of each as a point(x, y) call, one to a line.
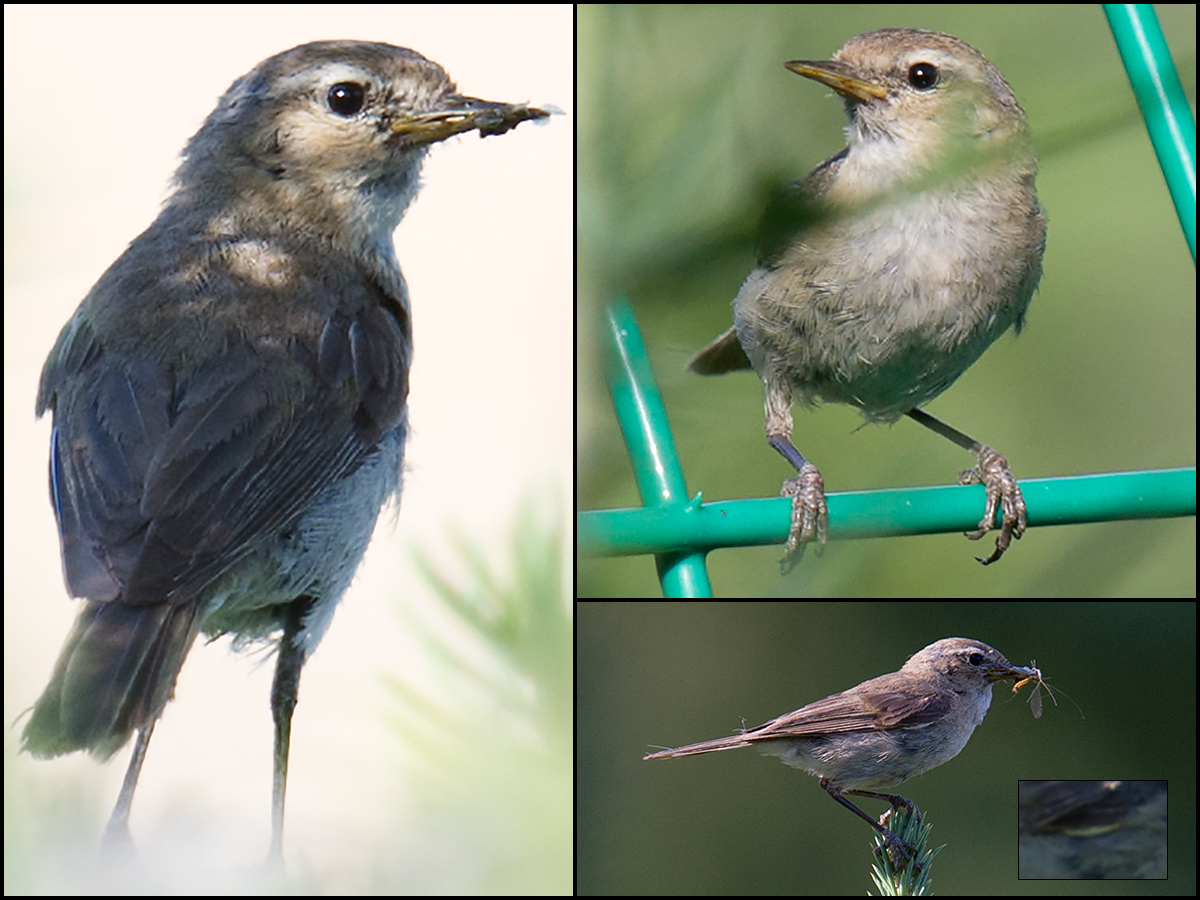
point(838, 76)
point(460, 114)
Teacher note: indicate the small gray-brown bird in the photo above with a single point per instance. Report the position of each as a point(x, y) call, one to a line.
point(887, 271)
point(230, 398)
point(883, 732)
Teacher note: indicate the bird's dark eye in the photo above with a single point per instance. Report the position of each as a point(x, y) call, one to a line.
point(346, 98)
point(923, 76)
point(975, 658)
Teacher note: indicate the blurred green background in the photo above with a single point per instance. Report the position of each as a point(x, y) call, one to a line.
point(670, 673)
point(689, 121)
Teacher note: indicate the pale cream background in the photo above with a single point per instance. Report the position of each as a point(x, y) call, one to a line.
point(98, 103)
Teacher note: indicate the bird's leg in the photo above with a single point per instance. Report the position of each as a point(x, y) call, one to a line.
point(284, 691)
point(993, 473)
point(810, 514)
point(116, 839)
point(904, 850)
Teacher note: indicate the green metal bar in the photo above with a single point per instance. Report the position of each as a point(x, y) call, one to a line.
point(1169, 120)
point(853, 515)
point(679, 530)
point(643, 420)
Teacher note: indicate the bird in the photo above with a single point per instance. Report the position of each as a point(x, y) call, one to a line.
point(230, 399)
point(888, 270)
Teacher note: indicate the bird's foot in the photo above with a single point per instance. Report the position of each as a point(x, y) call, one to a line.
point(1002, 490)
point(810, 514)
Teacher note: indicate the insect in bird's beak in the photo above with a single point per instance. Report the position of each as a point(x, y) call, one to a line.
point(1035, 700)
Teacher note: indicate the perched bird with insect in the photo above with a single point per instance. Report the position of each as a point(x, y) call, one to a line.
point(230, 400)
point(884, 731)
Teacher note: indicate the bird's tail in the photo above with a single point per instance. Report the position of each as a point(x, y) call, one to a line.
point(115, 674)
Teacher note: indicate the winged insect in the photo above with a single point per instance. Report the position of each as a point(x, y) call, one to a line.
point(1035, 699)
